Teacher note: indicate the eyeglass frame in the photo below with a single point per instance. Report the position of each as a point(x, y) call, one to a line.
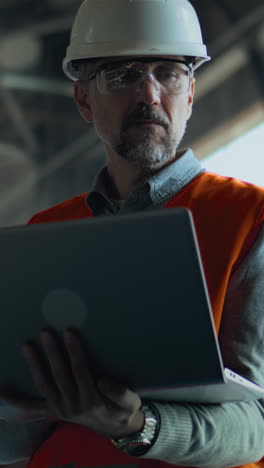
point(189, 65)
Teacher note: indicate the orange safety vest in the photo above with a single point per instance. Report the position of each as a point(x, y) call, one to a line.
point(228, 215)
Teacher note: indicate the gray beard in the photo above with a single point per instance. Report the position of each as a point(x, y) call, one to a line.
point(147, 153)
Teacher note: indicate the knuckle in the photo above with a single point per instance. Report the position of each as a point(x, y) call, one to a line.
point(61, 412)
point(60, 376)
point(90, 402)
point(69, 411)
point(58, 372)
point(72, 412)
point(78, 372)
point(42, 388)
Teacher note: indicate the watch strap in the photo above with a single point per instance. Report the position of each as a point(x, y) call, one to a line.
point(139, 443)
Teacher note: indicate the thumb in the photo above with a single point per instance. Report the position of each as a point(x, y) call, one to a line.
point(109, 387)
point(119, 394)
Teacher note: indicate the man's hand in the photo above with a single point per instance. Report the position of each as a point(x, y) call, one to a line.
point(70, 392)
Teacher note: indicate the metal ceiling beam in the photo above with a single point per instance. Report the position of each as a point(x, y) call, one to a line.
point(257, 62)
point(232, 52)
point(236, 32)
point(62, 24)
point(219, 71)
point(36, 84)
point(57, 161)
point(9, 3)
point(44, 28)
point(228, 11)
point(19, 120)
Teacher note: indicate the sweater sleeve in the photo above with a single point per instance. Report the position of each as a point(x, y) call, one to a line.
point(228, 434)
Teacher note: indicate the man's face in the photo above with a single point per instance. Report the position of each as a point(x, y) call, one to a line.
point(120, 120)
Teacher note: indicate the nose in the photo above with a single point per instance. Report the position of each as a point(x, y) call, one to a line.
point(148, 90)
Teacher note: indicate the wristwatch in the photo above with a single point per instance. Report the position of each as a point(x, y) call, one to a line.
point(138, 444)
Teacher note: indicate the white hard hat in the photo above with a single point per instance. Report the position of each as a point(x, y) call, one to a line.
point(122, 28)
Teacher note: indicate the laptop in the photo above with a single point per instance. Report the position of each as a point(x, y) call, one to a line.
point(133, 286)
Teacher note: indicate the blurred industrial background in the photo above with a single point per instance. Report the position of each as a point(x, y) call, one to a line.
point(48, 153)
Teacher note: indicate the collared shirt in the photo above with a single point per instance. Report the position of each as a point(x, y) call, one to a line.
point(152, 193)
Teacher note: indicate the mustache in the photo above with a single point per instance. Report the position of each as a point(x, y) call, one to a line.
point(145, 113)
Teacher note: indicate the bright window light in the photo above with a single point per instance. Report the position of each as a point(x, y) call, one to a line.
point(243, 158)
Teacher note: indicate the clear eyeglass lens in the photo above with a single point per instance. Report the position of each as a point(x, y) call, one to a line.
point(170, 75)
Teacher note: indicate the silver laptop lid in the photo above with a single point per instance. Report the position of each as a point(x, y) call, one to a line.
point(132, 284)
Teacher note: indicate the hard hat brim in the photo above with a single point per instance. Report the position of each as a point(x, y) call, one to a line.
point(109, 50)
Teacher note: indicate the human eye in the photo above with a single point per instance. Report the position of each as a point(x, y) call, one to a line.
point(121, 76)
point(114, 74)
point(168, 72)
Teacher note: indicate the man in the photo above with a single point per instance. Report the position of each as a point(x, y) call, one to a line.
point(133, 62)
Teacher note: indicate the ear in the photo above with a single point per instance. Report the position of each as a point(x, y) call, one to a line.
point(190, 98)
point(81, 97)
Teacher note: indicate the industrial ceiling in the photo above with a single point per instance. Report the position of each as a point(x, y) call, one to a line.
point(48, 153)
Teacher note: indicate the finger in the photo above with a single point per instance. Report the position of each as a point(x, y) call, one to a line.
point(120, 395)
point(85, 383)
point(62, 375)
point(60, 369)
point(40, 377)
